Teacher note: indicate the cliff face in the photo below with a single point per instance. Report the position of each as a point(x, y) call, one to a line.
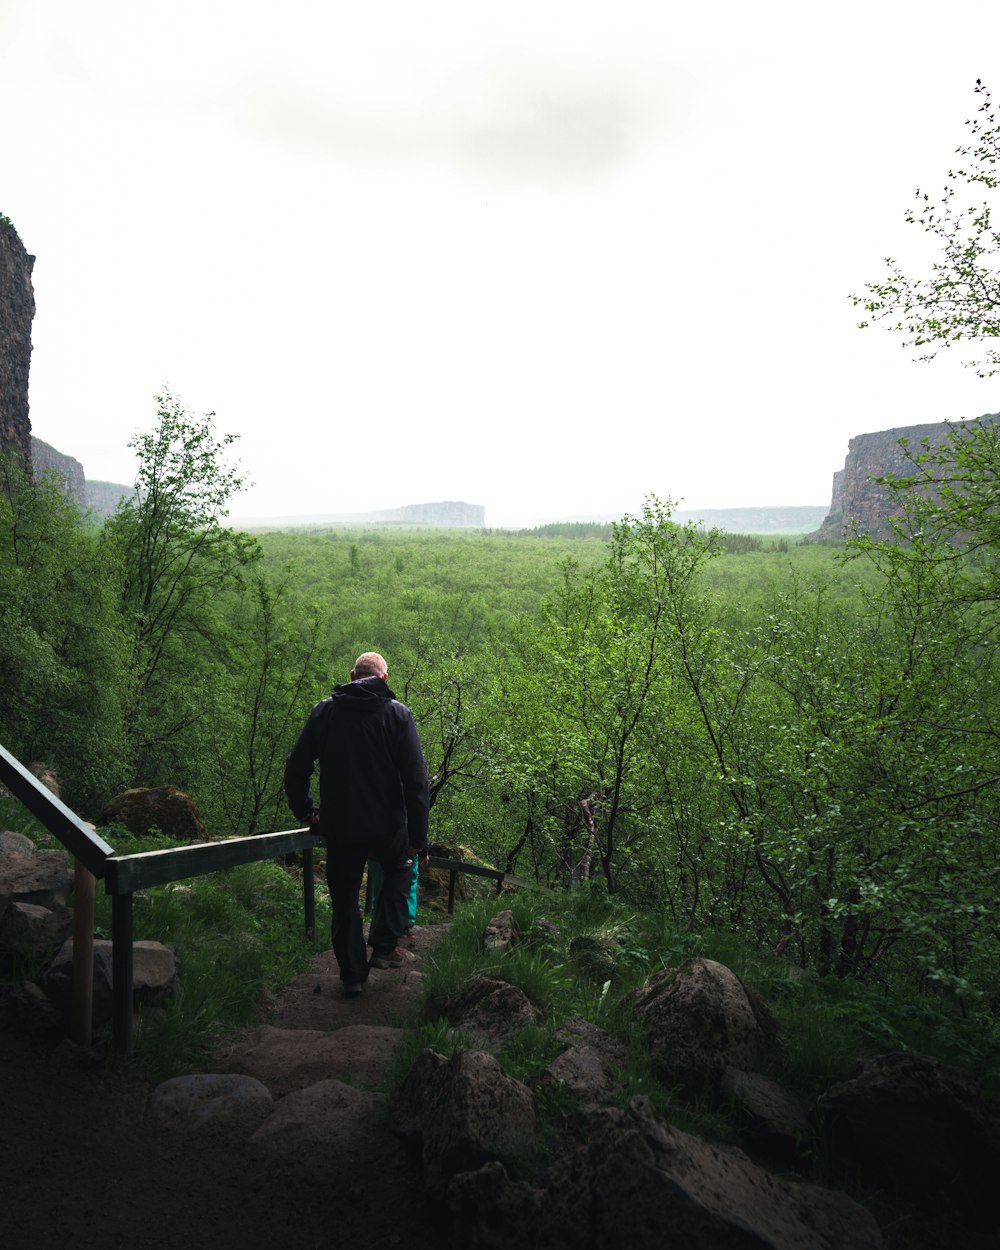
point(857, 497)
point(104, 497)
point(45, 460)
point(17, 309)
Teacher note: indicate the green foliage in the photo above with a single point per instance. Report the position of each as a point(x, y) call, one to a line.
point(175, 560)
point(959, 302)
point(63, 654)
point(792, 749)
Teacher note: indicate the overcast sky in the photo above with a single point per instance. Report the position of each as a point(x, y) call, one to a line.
point(545, 256)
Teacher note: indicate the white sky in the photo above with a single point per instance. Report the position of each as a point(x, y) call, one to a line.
point(546, 256)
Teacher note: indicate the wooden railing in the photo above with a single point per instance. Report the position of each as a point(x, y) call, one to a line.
point(123, 875)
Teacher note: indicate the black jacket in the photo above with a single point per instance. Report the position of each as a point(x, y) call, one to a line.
point(372, 774)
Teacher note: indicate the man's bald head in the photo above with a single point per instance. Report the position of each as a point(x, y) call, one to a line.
point(369, 664)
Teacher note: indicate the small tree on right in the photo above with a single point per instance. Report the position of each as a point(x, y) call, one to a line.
point(958, 302)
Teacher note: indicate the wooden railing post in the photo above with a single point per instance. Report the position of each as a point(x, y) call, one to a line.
point(121, 971)
point(82, 1001)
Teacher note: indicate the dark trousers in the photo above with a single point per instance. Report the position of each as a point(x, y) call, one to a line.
point(345, 866)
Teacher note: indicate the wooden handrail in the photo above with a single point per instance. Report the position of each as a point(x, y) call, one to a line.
point(127, 873)
point(91, 853)
point(78, 838)
point(454, 866)
point(124, 874)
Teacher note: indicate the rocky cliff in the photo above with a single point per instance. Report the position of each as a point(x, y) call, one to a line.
point(17, 309)
point(46, 462)
point(104, 497)
point(857, 497)
point(100, 498)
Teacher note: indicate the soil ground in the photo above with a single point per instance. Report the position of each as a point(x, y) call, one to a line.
point(82, 1164)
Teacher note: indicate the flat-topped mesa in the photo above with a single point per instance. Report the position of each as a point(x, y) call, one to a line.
point(858, 499)
point(17, 309)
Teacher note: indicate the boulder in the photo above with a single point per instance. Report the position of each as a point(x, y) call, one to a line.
point(489, 1211)
point(594, 957)
point(461, 1112)
point(543, 930)
point(162, 809)
point(30, 1008)
point(587, 1066)
point(337, 1128)
point(910, 1123)
point(11, 841)
point(58, 980)
point(216, 1101)
point(489, 1012)
point(154, 975)
point(42, 878)
point(641, 1183)
point(577, 1031)
point(581, 1070)
point(777, 1121)
point(28, 931)
point(44, 773)
point(501, 932)
point(700, 1021)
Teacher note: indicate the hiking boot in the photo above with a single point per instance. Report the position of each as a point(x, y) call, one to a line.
point(388, 959)
point(353, 988)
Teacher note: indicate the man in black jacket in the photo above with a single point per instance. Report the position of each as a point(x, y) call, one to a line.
point(373, 804)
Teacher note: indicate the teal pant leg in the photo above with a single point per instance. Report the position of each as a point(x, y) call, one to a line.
point(375, 876)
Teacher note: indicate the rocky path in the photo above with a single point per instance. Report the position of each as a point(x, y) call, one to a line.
point(93, 1157)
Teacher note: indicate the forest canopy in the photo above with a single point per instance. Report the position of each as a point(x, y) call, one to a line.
point(794, 744)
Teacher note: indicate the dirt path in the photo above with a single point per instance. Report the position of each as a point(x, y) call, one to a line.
point(83, 1163)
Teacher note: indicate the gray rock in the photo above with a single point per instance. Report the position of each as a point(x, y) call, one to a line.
point(11, 841)
point(340, 1127)
point(778, 1120)
point(490, 1013)
point(594, 957)
point(163, 809)
point(58, 980)
point(500, 933)
point(29, 931)
point(584, 1073)
point(909, 1123)
point(700, 1021)
point(462, 1112)
point(543, 929)
point(154, 975)
point(643, 1184)
point(42, 878)
point(489, 1211)
point(32, 1009)
point(216, 1101)
point(577, 1031)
